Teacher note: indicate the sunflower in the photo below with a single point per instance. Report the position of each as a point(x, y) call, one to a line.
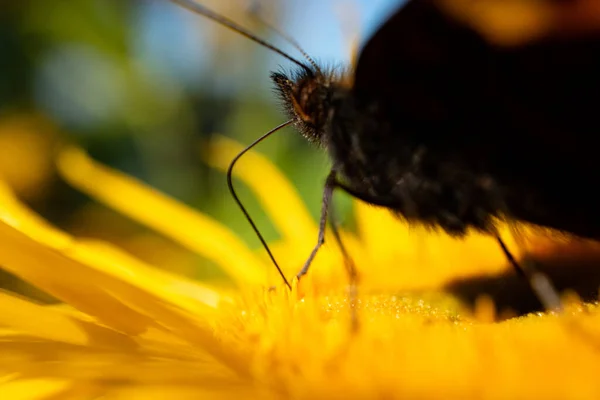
point(122, 329)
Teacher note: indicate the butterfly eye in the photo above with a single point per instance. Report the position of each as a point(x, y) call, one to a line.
point(299, 109)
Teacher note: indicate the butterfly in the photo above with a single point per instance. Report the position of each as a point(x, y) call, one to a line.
point(452, 124)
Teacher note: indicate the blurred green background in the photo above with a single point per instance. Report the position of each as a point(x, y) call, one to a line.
point(126, 82)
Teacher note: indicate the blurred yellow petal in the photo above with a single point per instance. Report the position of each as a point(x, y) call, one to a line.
point(513, 23)
point(31, 231)
point(504, 22)
point(25, 153)
point(106, 283)
point(33, 389)
point(40, 322)
point(195, 231)
point(97, 221)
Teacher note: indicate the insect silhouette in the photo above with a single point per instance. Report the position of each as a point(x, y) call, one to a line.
point(449, 128)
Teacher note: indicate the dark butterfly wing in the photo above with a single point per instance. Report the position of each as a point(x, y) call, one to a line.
point(523, 115)
point(418, 62)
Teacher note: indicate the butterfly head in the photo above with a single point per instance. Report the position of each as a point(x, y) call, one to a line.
point(306, 96)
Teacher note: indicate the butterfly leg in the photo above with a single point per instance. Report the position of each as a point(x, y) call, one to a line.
point(539, 282)
point(350, 267)
point(330, 185)
point(327, 213)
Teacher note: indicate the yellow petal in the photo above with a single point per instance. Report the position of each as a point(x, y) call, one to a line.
point(109, 285)
point(43, 323)
point(34, 389)
point(151, 208)
point(25, 156)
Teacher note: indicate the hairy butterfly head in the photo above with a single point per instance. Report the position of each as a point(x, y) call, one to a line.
point(306, 96)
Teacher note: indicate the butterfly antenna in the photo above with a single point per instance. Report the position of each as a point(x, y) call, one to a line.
point(241, 206)
point(218, 18)
point(255, 11)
